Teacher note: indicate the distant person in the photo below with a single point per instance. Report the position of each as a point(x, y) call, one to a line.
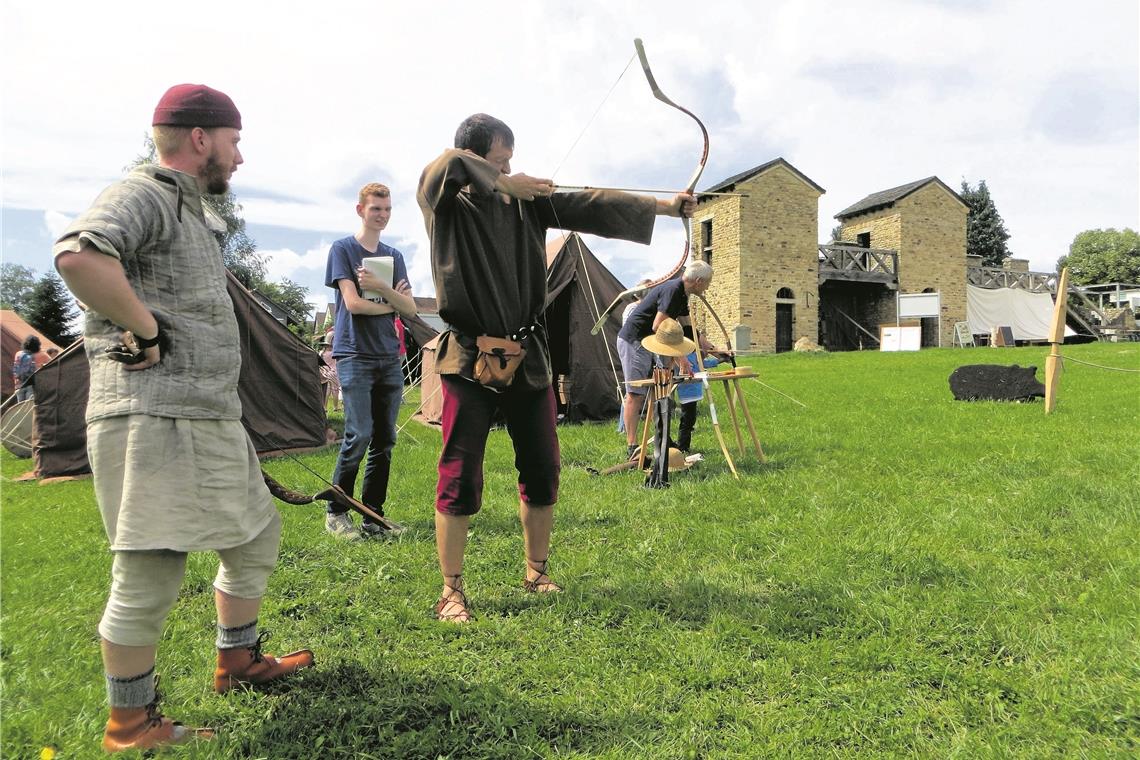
point(487, 229)
point(669, 344)
point(24, 366)
point(174, 469)
point(366, 348)
point(626, 312)
point(330, 381)
point(669, 300)
point(52, 353)
point(688, 396)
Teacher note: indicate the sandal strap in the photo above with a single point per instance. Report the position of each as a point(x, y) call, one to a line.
point(539, 566)
point(446, 599)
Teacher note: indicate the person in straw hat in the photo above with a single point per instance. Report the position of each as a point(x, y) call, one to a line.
point(667, 342)
point(669, 300)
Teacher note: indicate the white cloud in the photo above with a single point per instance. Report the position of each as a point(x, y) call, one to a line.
point(860, 96)
point(56, 223)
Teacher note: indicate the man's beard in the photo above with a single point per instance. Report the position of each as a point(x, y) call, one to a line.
point(215, 176)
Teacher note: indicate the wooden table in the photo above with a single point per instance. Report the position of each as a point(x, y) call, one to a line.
point(734, 396)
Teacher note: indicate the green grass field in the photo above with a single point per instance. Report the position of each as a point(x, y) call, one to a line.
point(906, 576)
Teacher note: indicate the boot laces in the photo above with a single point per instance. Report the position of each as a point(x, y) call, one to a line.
point(255, 650)
point(154, 715)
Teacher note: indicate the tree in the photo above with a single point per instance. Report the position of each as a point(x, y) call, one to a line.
point(16, 285)
point(985, 229)
point(239, 252)
point(1101, 256)
point(51, 310)
point(291, 296)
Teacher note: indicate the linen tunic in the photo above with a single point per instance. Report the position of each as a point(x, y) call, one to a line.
point(174, 468)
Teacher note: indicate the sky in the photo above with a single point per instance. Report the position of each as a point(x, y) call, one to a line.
point(1040, 99)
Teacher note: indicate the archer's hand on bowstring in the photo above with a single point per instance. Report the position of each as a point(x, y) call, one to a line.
point(524, 187)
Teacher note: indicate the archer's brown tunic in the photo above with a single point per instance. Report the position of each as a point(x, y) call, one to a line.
point(489, 257)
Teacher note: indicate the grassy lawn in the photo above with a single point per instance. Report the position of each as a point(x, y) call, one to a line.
point(907, 575)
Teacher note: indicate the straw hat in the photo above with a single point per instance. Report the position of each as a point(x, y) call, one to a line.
point(669, 340)
point(677, 460)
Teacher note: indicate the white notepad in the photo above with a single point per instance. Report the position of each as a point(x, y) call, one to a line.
point(381, 266)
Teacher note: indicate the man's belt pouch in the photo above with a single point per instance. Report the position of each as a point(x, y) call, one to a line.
point(498, 360)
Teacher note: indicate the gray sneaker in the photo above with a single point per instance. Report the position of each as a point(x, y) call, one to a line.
point(372, 530)
point(341, 526)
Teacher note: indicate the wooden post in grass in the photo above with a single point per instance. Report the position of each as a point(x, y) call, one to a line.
point(1056, 338)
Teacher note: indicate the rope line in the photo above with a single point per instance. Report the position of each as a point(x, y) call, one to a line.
point(1098, 366)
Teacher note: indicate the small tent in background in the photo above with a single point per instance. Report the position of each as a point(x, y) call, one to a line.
point(417, 334)
point(586, 367)
point(13, 331)
point(279, 387)
point(431, 402)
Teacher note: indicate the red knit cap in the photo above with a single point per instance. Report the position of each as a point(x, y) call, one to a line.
point(196, 105)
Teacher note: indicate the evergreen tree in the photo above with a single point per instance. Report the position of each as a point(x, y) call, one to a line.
point(16, 285)
point(1102, 256)
point(51, 310)
point(985, 229)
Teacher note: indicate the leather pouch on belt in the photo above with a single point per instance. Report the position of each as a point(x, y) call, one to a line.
point(498, 361)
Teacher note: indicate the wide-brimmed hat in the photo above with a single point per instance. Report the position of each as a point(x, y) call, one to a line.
point(678, 461)
point(669, 340)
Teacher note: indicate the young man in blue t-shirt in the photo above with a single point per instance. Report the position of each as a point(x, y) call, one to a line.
point(367, 352)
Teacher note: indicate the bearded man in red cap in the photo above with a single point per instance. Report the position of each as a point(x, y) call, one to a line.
point(174, 469)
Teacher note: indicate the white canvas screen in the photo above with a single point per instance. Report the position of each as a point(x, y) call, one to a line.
point(1029, 314)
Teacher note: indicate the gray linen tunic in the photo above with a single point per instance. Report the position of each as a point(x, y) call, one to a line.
point(192, 482)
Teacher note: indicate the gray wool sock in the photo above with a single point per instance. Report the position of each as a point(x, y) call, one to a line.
point(236, 638)
point(132, 691)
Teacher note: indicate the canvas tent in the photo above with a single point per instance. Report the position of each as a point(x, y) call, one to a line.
point(13, 331)
point(431, 403)
point(280, 392)
point(586, 367)
point(417, 333)
point(1028, 314)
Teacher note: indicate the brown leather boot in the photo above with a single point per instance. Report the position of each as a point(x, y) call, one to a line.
point(146, 728)
point(247, 666)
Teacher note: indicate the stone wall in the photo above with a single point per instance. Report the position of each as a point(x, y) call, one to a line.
point(928, 229)
point(762, 243)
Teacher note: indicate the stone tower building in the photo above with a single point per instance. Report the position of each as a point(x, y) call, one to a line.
point(763, 250)
point(925, 221)
point(773, 277)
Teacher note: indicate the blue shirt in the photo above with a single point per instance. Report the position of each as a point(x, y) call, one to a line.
point(669, 298)
point(361, 334)
point(689, 392)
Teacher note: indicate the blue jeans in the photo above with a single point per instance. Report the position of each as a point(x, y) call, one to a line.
point(372, 390)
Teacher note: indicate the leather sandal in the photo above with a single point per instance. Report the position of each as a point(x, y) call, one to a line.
point(540, 584)
point(452, 604)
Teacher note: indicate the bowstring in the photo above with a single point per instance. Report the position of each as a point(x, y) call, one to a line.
point(593, 301)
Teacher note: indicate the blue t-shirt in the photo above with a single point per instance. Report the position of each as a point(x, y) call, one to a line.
point(668, 297)
point(689, 392)
point(361, 334)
